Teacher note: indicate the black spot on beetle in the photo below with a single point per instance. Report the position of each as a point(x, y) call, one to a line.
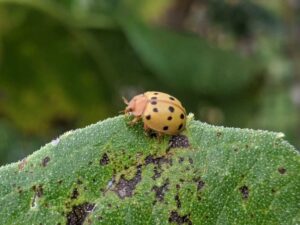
point(153, 102)
point(281, 170)
point(165, 128)
point(161, 190)
point(172, 98)
point(170, 118)
point(180, 126)
point(181, 116)
point(45, 161)
point(155, 93)
point(75, 193)
point(79, 213)
point(178, 141)
point(176, 218)
point(124, 188)
point(104, 160)
point(148, 117)
point(154, 97)
point(171, 109)
point(155, 110)
point(244, 191)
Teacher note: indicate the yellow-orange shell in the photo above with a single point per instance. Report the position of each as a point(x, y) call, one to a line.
point(164, 113)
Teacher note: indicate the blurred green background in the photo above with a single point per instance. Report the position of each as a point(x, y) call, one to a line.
point(65, 64)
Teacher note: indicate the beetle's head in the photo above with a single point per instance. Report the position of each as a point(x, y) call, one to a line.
point(133, 106)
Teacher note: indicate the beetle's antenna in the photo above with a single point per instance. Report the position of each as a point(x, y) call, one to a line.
point(125, 100)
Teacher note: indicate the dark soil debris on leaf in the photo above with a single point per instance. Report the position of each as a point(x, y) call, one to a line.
point(281, 170)
point(124, 188)
point(176, 218)
point(79, 213)
point(244, 191)
point(178, 141)
point(161, 190)
point(45, 161)
point(104, 160)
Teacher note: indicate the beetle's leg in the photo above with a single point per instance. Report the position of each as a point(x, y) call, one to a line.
point(159, 136)
point(146, 128)
point(134, 121)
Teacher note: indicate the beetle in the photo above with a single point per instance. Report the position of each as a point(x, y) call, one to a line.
point(159, 112)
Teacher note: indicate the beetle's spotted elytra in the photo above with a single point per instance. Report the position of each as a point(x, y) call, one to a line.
point(159, 112)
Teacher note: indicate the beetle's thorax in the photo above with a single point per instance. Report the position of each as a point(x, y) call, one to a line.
point(137, 105)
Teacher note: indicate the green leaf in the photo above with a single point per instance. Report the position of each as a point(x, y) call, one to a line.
point(111, 173)
point(188, 62)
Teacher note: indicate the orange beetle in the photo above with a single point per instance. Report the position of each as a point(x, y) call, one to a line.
point(159, 111)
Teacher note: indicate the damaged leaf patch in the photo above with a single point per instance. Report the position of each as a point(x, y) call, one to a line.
point(125, 188)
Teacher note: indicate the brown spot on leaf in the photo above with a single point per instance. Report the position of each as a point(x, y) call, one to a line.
point(20, 190)
point(39, 191)
point(157, 173)
point(104, 160)
point(200, 183)
point(22, 164)
point(281, 170)
point(124, 188)
point(79, 213)
point(178, 141)
point(176, 218)
point(45, 161)
point(178, 202)
point(160, 191)
point(75, 193)
point(244, 191)
point(158, 161)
